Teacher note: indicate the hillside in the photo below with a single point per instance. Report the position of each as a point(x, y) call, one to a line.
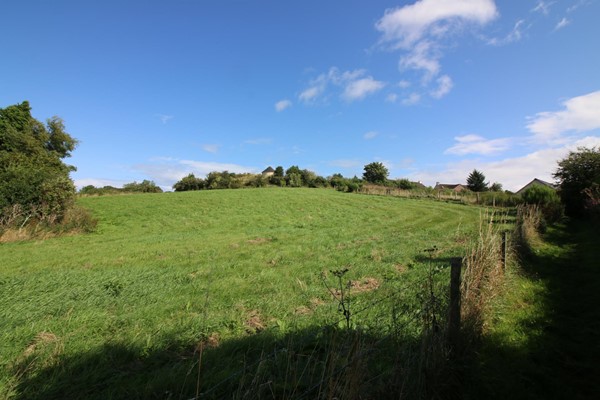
point(165, 271)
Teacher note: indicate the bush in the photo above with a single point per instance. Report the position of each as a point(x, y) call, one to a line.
point(546, 199)
point(33, 177)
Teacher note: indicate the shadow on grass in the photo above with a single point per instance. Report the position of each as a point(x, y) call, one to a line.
point(560, 359)
point(312, 364)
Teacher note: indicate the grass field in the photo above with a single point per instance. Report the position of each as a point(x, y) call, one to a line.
point(120, 313)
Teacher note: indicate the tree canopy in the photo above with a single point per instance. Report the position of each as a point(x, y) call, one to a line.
point(375, 172)
point(476, 182)
point(32, 173)
point(578, 175)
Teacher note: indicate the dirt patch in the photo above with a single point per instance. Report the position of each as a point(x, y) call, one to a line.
point(316, 302)
point(259, 240)
point(401, 268)
point(302, 310)
point(364, 285)
point(210, 342)
point(254, 322)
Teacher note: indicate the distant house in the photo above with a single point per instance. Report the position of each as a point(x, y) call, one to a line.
point(535, 182)
point(455, 187)
point(268, 172)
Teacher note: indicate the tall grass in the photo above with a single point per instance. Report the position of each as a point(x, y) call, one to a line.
point(483, 275)
point(123, 312)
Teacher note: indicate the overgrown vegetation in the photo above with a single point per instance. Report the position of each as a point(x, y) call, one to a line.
point(36, 192)
point(579, 177)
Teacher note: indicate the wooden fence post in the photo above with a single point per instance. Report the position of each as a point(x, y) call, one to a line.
point(504, 250)
point(454, 315)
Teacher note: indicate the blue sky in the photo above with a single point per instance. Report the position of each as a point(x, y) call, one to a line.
point(431, 88)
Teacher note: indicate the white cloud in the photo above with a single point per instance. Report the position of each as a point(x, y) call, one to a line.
point(475, 144)
point(424, 56)
point(512, 173)
point(562, 23)
point(444, 86)
point(405, 26)
point(543, 7)
point(370, 135)
point(419, 30)
point(403, 84)
point(360, 88)
point(308, 95)
point(514, 36)
point(412, 99)
point(210, 148)
point(282, 105)
point(164, 118)
point(355, 84)
point(580, 114)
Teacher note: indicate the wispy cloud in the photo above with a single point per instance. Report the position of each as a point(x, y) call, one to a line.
point(580, 114)
point(210, 148)
point(419, 30)
point(370, 135)
point(444, 86)
point(475, 144)
point(562, 23)
point(360, 88)
point(282, 105)
point(165, 173)
point(543, 7)
point(392, 97)
point(355, 85)
point(513, 36)
point(259, 141)
point(164, 118)
point(412, 99)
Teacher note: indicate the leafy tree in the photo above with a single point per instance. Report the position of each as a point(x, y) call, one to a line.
point(294, 179)
point(278, 172)
point(577, 174)
point(189, 182)
point(496, 187)
point(145, 186)
point(476, 182)
point(405, 184)
point(32, 173)
point(294, 169)
point(375, 172)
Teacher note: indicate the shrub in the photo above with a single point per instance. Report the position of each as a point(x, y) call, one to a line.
point(546, 199)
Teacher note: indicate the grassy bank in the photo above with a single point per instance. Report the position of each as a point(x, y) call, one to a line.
point(542, 341)
point(125, 311)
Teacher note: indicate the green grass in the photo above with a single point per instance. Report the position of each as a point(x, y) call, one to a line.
point(123, 308)
point(543, 337)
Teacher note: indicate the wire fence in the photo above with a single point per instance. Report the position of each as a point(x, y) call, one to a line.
point(409, 321)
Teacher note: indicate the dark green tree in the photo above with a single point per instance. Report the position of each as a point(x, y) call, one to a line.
point(279, 172)
point(32, 173)
point(496, 187)
point(476, 182)
point(375, 172)
point(189, 182)
point(578, 174)
point(145, 186)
